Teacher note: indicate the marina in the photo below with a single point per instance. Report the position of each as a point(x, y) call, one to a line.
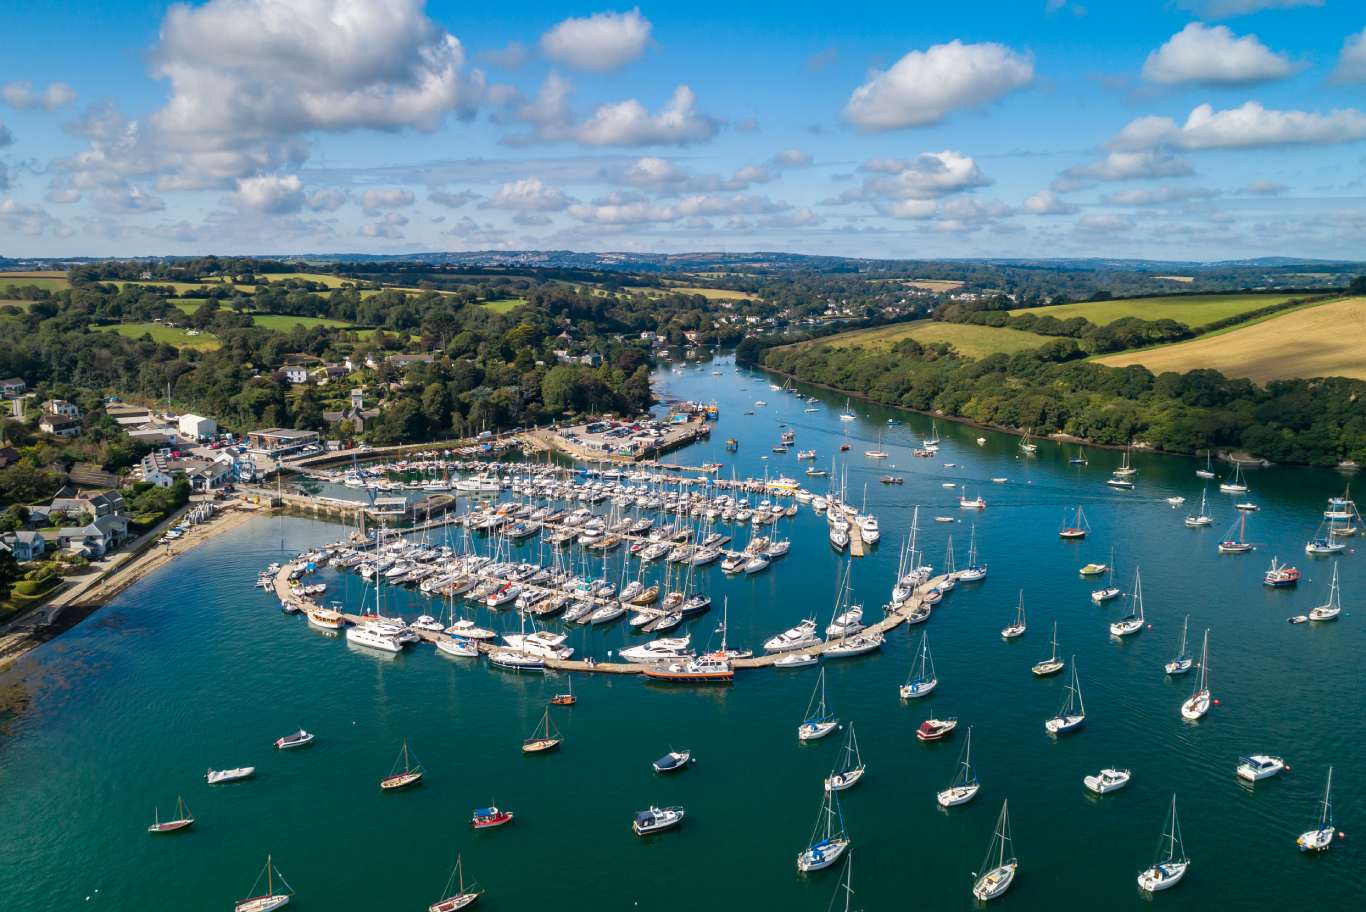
point(245, 673)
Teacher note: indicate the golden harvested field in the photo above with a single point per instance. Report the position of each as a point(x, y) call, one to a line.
point(934, 284)
point(1193, 310)
point(1326, 340)
point(970, 340)
point(713, 294)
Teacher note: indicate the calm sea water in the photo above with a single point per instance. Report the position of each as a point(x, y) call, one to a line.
point(194, 668)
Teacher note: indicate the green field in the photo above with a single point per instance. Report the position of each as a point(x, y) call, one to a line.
point(178, 337)
point(50, 280)
point(505, 305)
point(969, 340)
point(1193, 310)
point(285, 322)
point(322, 278)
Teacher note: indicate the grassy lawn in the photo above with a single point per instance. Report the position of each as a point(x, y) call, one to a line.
point(285, 322)
point(1193, 310)
point(180, 338)
point(1322, 340)
point(48, 279)
point(504, 305)
point(970, 341)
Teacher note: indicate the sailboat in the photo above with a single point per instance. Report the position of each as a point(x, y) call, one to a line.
point(847, 415)
point(850, 768)
point(1198, 704)
point(182, 820)
point(1320, 838)
point(1201, 519)
point(1170, 862)
point(922, 678)
point(411, 773)
point(973, 571)
point(999, 864)
point(964, 786)
point(1330, 609)
point(1183, 662)
point(1125, 470)
point(462, 897)
point(1109, 590)
point(546, 737)
point(269, 900)
point(1072, 713)
point(1208, 470)
point(1077, 530)
point(932, 442)
point(1240, 545)
point(878, 452)
point(1133, 621)
point(819, 720)
point(846, 886)
point(567, 698)
point(828, 839)
point(1051, 665)
point(1028, 447)
point(1080, 458)
point(1234, 484)
point(1325, 541)
point(1016, 627)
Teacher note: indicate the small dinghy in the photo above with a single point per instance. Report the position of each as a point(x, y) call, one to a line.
point(1171, 862)
point(410, 774)
point(1107, 780)
point(182, 820)
point(964, 786)
point(299, 738)
point(656, 820)
point(489, 817)
point(673, 761)
point(214, 777)
point(269, 900)
point(936, 729)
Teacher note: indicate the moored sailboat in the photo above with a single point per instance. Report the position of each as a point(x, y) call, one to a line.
point(1051, 665)
point(545, 738)
point(850, 768)
point(1077, 530)
point(1320, 838)
point(1072, 714)
point(999, 865)
point(829, 840)
point(1170, 863)
point(182, 820)
point(1132, 622)
point(1199, 702)
point(269, 900)
point(922, 678)
point(1183, 662)
point(461, 896)
point(1016, 627)
point(964, 786)
point(1330, 609)
point(411, 774)
point(819, 720)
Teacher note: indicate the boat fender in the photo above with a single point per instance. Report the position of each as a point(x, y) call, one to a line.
point(1216, 702)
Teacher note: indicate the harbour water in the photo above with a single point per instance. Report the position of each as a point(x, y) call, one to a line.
point(193, 668)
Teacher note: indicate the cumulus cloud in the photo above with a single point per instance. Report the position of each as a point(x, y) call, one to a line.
point(389, 227)
point(1247, 126)
point(923, 87)
point(663, 176)
point(1213, 55)
point(25, 97)
point(58, 191)
point(528, 194)
point(1158, 196)
point(32, 221)
point(634, 209)
point(598, 43)
point(271, 194)
point(452, 200)
point(377, 198)
point(1123, 166)
point(1046, 202)
point(629, 123)
point(1352, 61)
point(329, 200)
point(1227, 9)
point(907, 188)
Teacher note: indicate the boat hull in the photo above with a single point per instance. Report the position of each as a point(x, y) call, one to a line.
point(962, 794)
point(400, 781)
point(1162, 877)
point(452, 904)
point(1061, 725)
point(1195, 708)
point(1319, 839)
point(814, 731)
point(261, 904)
point(995, 882)
point(822, 856)
point(540, 745)
point(846, 780)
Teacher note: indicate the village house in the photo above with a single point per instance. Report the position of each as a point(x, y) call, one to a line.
point(61, 407)
point(13, 387)
point(59, 426)
point(25, 545)
point(356, 413)
point(95, 539)
point(329, 372)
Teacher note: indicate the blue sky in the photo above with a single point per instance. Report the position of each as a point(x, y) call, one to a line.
point(1185, 129)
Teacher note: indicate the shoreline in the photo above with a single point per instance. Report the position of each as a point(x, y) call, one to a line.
point(82, 599)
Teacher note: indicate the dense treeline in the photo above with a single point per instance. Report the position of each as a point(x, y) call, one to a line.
point(1319, 422)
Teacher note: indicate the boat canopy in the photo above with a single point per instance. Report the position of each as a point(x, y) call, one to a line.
point(645, 817)
point(485, 812)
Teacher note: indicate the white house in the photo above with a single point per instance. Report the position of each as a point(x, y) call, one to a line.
point(61, 427)
point(61, 407)
point(295, 373)
point(197, 427)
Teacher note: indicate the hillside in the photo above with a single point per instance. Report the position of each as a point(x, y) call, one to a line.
point(1193, 310)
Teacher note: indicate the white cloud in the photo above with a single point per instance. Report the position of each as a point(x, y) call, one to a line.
point(1122, 166)
point(385, 198)
point(1158, 196)
point(1046, 202)
point(329, 200)
point(271, 194)
point(22, 95)
point(901, 187)
point(598, 43)
point(633, 209)
point(509, 57)
point(1265, 188)
point(1227, 9)
point(663, 176)
point(528, 194)
point(1213, 55)
point(126, 197)
point(58, 191)
point(1352, 61)
point(32, 221)
point(628, 123)
point(452, 200)
point(390, 227)
point(923, 87)
point(1247, 126)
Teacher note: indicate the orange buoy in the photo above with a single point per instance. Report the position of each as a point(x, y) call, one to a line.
point(1216, 702)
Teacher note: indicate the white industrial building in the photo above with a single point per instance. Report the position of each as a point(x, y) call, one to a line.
point(196, 427)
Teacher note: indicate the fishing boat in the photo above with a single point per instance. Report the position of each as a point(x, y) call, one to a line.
point(964, 785)
point(1202, 518)
point(673, 761)
point(1280, 576)
point(922, 678)
point(1077, 530)
point(936, 729)
point(215, 777)
point(1256, 767)
point(1051, 665)
point(850, 767)
point(1132, 622)
point(270, 899)
point(1320, 838)
point(999, 865)
point(1240, 545)
point(1183, 662)
point(1072, 714)
point(1195, 708)
point(1016, 627)
point(299, 738)
point(828, 838)
point(1235, 483)
point(456, 895)
point(1107, 780)
point(411, 774)
point(974, 571)
point(567, 698)
point(1208, 470)
point(819, 720)
point(1170, 863)
point(489, 817)
point(545, 738)
point(182, 820)
point(656, 820)
point(1330, 609)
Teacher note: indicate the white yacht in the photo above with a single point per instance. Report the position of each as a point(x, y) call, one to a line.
point(375, 635)
point(799, 637)
point(1107, 780)
point(1256, 767)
